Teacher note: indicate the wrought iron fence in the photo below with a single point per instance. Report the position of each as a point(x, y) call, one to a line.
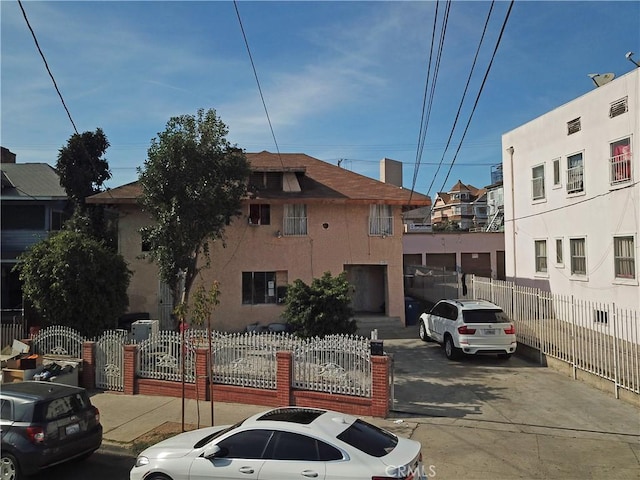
point(58, 340)
point(595, 337)
point(161, 357)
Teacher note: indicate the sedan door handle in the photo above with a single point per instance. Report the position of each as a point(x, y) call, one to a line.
point(245, 470)
point(309, 473)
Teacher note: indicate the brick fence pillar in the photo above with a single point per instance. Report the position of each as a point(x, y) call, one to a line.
point(202, 375)
point(88, 379)
point(129, 369)
point(379, 386)
point(283, 378)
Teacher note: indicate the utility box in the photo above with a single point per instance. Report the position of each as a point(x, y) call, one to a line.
point(143, 329)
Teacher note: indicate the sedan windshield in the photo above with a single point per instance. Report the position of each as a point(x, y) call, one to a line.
point(203, 441)
point(368, 438)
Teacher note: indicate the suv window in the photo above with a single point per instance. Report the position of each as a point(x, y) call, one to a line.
point(484, 316)
point(5, 410)
point(440, 309)
point(368, 438)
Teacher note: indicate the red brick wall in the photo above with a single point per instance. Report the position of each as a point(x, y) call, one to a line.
point(377, 405)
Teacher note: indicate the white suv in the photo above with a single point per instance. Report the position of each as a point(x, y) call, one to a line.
point(469, 326)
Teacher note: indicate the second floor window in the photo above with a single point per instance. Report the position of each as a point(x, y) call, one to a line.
point(380, 220)
point(559, 252)
point(259, 214)
point(295, 220)
point(620, 161)
point(575, 173)
point(556, 172)
point(537, 182)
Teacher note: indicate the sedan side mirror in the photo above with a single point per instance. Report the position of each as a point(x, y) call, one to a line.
point(214, 451)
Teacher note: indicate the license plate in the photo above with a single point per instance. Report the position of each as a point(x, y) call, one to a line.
point(490, 331)
point(71, 429)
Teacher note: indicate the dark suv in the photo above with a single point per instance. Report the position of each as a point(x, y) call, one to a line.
point(44, 424)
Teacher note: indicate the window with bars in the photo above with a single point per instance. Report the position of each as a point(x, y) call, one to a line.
point(573, 126)
point(541, 256)
point(575, 173)
point(624, 257)
point(620, 161)
point(380, 220)
point(618, 107)
point(295, 220)
point(577, 247)
point(537, 182)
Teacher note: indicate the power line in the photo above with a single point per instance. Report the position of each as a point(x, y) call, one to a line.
point(425, 120)
point(464, 94)
point(24, 14)
point(484, 80)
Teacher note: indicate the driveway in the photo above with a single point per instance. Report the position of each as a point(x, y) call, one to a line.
point(483, 417)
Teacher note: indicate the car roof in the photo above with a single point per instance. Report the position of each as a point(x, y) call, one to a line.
point(38, 390)
point(302, 420)
point(473, 304)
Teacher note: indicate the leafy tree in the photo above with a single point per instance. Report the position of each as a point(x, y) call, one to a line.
point(81, 165)
point(193, 182)
point(83, 170)
point(322, 308)
point(73, 279)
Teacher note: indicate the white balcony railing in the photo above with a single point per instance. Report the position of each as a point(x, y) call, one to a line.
point(620, 169)
point(575, 179)
point(537, 187)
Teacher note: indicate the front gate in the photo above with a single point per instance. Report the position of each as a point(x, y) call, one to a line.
point(110, 360)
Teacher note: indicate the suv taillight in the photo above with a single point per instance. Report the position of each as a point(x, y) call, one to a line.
point(511, 330)
point(464, 330)
point(96, 414)
point(35, 434)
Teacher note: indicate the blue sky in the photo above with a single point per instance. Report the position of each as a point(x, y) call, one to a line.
point(341, 80)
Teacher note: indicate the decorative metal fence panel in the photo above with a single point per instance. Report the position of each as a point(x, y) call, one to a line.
point(334, 364)
point(58, 340)
point(595, 337)
point(247, 359)
point(161, 357)
point(110, 360)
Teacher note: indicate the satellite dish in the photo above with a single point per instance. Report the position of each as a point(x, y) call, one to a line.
point(601, 80)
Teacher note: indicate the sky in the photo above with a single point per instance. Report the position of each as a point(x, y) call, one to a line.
point(349, 83)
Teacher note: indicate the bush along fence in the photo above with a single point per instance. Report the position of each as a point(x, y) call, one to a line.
point(599, 339)
point(273, 369)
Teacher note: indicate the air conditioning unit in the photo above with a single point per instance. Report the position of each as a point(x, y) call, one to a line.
point(143, 329)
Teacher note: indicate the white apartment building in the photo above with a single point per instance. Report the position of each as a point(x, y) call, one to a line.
point(572, 197)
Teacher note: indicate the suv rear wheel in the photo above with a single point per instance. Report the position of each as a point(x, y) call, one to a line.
point(450, 349)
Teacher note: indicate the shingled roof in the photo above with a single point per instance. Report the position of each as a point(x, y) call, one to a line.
point(31, 181)
point(320, 182)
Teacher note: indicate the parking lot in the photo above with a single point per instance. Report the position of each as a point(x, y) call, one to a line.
point(482, 417)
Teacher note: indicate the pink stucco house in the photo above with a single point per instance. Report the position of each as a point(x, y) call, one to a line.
point(307, 217)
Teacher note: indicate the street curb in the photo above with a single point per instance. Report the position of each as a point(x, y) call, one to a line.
point(117, 448)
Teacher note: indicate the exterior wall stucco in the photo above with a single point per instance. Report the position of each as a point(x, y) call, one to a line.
point(597, 214)
point(259, 249)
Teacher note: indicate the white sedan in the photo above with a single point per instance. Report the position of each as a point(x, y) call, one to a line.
point(282, 444)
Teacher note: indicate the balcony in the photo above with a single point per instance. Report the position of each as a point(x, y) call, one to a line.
point(575, 179)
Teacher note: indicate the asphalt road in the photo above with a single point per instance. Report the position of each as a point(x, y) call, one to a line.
point(102, 465)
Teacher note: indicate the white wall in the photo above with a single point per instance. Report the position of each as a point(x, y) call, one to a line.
point(598, 214)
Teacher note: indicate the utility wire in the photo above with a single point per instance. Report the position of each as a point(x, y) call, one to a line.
point(434, 82)
point(464, 94)
point(484, 80)
point(24, 14)
point(255, 74)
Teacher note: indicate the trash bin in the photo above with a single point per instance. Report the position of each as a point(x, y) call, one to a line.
point(412, 310)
